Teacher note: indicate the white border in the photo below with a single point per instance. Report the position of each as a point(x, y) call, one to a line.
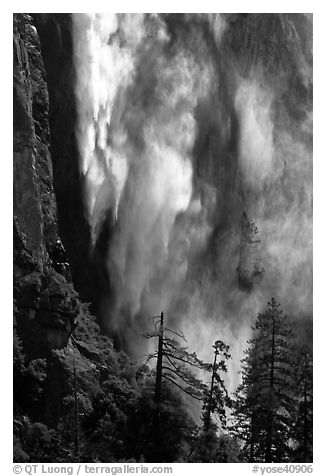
point(319, 198)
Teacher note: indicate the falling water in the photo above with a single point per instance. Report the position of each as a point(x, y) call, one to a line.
point(184, 122)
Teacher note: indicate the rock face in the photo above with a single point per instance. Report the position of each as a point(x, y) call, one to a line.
point(46, 303)
point(50, 231)
point(34, 202)
point(55, 33)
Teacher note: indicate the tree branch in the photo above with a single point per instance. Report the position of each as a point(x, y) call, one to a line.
point(182, 388)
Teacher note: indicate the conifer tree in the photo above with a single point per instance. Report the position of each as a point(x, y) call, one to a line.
point(179, 367)
point(217, 399)
point(175, 364)
point(264, 400)
point(303, 424)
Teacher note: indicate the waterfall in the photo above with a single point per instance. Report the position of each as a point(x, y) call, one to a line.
point(184, 124)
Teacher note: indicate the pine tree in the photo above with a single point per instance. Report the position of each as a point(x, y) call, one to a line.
point(303, 424)
point(175, 364)
point(264, 400)
point(208, 446)
point(217, 399)
point(250, 270)
point(178, 367)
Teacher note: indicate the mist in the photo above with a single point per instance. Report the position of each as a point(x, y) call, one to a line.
point(184, 123)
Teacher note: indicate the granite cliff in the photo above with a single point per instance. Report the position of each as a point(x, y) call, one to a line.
point(49, 363)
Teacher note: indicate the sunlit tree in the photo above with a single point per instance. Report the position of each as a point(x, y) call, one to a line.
point(264, 401)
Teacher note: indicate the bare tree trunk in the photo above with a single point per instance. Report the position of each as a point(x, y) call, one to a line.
point(158, 384)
